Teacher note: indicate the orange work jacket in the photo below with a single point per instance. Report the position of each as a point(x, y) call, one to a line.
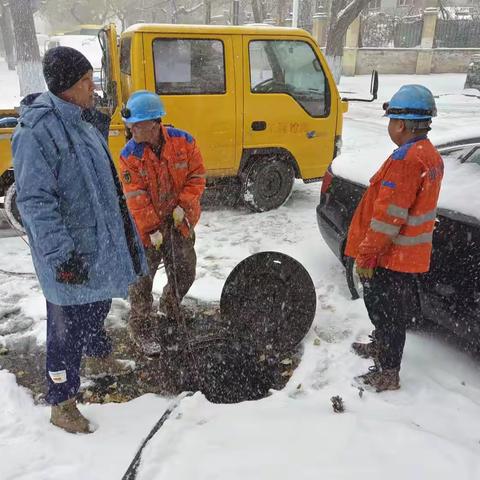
point(154, 183)
point(394, 221)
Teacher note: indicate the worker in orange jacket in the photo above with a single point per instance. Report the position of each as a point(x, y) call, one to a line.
point(163, 178)
point(390, 235)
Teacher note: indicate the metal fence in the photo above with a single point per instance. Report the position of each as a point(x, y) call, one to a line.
point(456, 33)
point(376, 31)
point(408, 32)
point(384, 30)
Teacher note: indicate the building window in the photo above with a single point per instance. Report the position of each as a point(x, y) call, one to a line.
point(375, 5)
point(189, 67)
point(404, 3)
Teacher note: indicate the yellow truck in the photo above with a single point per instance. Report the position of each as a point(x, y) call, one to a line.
point(260, 100)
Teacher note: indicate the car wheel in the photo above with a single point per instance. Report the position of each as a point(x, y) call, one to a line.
point(11, 209)
point(267, 184)
point(353, 280)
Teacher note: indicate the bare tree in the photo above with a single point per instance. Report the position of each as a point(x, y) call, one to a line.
point(257, 11)
point(64, 14)
point(85, 11)
point(29, 66)
point(281, 12)
point(129, 12)
point(7, 35)
point(342, 14)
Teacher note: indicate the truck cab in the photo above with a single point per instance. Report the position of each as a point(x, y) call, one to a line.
point(260, 101)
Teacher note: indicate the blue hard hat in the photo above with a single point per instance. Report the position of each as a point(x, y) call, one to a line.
point(141, 106)
point(411, 102)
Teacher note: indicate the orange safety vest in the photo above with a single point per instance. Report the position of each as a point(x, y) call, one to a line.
point(394, 221)
point(154, 184)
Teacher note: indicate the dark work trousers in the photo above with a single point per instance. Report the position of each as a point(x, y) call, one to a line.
point(391, 299)
point(73, 330)
point(180, 265)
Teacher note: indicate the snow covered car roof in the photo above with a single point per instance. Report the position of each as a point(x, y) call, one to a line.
point(461, 184)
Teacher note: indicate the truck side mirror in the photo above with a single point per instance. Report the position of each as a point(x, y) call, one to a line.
point(373, 90)
point(374, 84)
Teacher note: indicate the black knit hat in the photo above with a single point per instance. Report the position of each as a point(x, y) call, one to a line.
point(63, 67)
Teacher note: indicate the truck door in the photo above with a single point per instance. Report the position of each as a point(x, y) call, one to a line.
point(288, 101)
point(194, 76)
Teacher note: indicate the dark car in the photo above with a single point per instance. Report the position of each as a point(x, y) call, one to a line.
point(449, 294)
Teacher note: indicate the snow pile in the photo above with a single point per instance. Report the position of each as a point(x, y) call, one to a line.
point(423, 431)
point(296, 434)
point(37, 450)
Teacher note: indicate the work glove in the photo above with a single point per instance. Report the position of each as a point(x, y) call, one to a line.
point(73, 271)
point(157, 239)
point(365, 267)
point(178, 215)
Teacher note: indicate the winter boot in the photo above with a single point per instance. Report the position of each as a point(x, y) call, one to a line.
point(167, 332)
point(142, 331)
point(67, 416)
point(168, 306)
point(146, 343)
point(381, 380)
point(154, 334)
point(100, 366)
point(366, 350)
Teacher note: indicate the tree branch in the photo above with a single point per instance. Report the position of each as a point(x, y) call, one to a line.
point(344, 14)
point(349, 13)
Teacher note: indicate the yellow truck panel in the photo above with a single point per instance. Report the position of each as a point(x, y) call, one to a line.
point(260, 101)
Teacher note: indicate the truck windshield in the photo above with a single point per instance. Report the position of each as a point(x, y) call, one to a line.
point(290, 67)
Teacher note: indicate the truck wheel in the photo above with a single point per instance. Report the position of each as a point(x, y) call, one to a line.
point(353, 281)
point(267, 184)
point(11, 209)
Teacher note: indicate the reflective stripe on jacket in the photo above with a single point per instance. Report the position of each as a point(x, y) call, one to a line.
point(154, 184)
point(395, 219)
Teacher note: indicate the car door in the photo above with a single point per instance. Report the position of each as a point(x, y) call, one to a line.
point(450, 291)
point(194, 76)
point(288, 101)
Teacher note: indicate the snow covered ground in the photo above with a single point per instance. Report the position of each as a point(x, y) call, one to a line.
point(427, 430)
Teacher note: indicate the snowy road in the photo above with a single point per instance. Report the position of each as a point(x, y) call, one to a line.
point(5, 229)
point(427, 430)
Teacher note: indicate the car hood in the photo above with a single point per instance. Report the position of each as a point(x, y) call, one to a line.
point(461, 184)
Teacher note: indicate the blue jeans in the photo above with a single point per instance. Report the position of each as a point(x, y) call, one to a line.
point(73, 330)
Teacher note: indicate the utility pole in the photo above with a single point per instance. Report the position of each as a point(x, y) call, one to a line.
point(208, 12)
point(295, 7)
point(29, 66)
